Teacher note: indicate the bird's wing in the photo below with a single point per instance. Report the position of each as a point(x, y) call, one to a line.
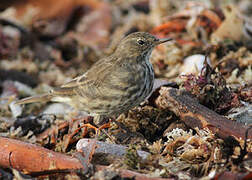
point(89, 82)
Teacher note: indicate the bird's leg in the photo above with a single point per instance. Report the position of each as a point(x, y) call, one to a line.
point(101, 122)
point(99, 119)
point(88, 125)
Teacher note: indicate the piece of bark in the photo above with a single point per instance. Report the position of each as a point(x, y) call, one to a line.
point(31, 158)
point(196, 115)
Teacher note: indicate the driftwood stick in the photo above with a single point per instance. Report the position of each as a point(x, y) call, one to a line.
point(197, 115)
point(31, 158)
point(38, 161)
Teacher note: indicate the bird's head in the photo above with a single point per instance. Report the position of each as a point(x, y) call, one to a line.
point(139, 43)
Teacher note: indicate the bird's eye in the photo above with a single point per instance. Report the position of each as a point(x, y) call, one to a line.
point(141, 42)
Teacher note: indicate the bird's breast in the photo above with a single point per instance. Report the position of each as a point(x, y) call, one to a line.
point(141, 81)
point(125, 87)
point(148, 78)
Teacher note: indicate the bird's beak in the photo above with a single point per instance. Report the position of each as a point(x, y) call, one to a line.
point(163, 40)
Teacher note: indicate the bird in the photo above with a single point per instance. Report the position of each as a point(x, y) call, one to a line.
point(114, 84)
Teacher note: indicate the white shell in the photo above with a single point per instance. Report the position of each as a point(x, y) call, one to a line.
point(193, 64)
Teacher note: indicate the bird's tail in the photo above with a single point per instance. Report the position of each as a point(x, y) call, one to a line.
point(38, 98)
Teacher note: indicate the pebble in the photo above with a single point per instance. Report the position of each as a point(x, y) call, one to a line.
point(106, 148)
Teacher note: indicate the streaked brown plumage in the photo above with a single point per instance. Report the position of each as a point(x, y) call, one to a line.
point(114, 84)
